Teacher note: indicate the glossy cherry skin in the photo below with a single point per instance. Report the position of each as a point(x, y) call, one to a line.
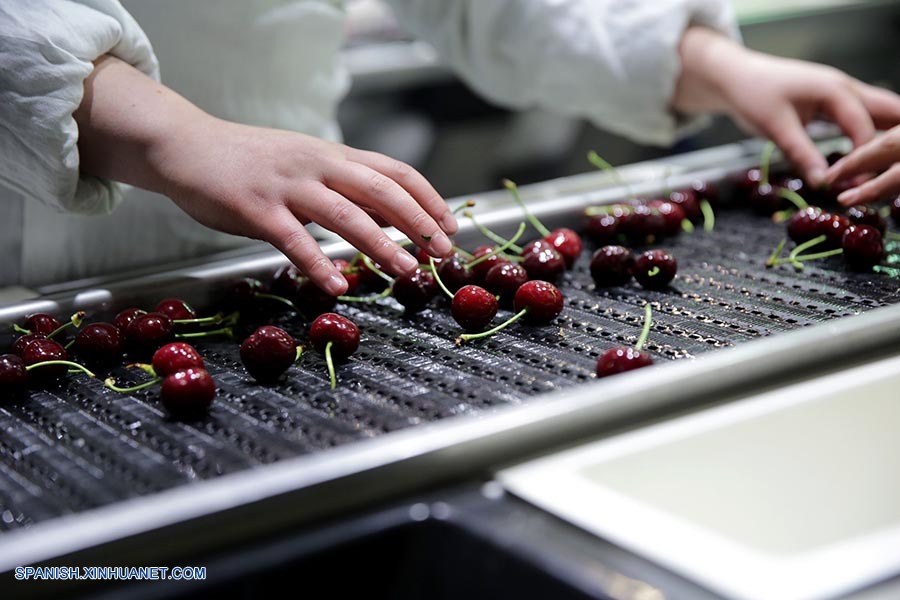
point(611, 266)
point(749, 181)
point(125, 317)
point(369, 278)
point(174, 357)
point(42, 323)
point(764, 199)
point(243, 292)
point(350, 273)
point(484, 266)
point(147, 333)
point(621, 359)
point(504, 280)
point(567, 243)
point(602, 229)
point(672, 215)
point(805, 225)
point(188, 394)
point(833, 228)
point(643, 224)
point(176, 309)
point(542, 261)
point(542, 300)
point(13, 376)
point(332, 327)
point(100, 344)
point(313, 300)
point(41, 350)
point(866, 215)
point(268, 352)
point(19, 345)
point(688, 201)
point(863, 247)
point(645, 268)
point(454, 274)
point(286, 281)
point(895, 210)
point(704, 190)
point(415, 290)
point(474, 307)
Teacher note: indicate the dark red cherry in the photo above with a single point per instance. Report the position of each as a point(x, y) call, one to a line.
point(805, 225)
point(332, 327)
point(176, 309)
point(313, 300)
point(243, 292)
point(542, 300)
point(268, 352)
point(147, 333)
point(895, 210)
point(863, 247)
point(621, 359)
point(542, 261)
point(764, 200)
point(833, 227)
point(42, 323)
point(473, 307)
point(286, 281)
point(672, 215)
point(567, 243)
point(504, 280)
point(749, 181)
point(643, 225)
point(454, 274)
point(41, 350)
point(188, 394)
point(350, 273)
point(125, 317)
point(866, 215)
point(704, 190)
point(174, 357)
point(602, 229)
point(481, 269)
point(688, 202)
point(13, 376)
point(20, 344)
point(611, 265)
point(369, 278)
point(415, 290)
point(795, 184)
point(100, 344)
point(654, 269)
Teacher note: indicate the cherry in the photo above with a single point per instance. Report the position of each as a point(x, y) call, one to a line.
point(125, 317)
point(833, 227)
point(806, 224)
point(43, 350)
point(863, 246)
point(672, 214)
point(350, 273)
point(643, 224)
point(504, 280)
point(895, 210)
point(602, 228)
point(415, 290)
point(764, 199)
point(611, 266)
point(866, 215)
point(542, 261)
point(268, 352)
point(654, 269)
point(13, 376)
point(42, 323)
point(100, 344)
point(537, 302)
point(368, 271)
point(473, 307)
point(20, 344)
point(188, 394)
point(563, 240)
point(454, 274)
point(174, 357)
point(244, 291)
point(286, 281)
point(624, 358)
point(688, 201)
point(176, 309)
point(704, 190)
point(335, 336)
point(481, 268)
point(146, 333)
point(750, 181)
point(313, 300)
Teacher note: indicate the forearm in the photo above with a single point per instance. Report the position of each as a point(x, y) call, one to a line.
point(706, 57)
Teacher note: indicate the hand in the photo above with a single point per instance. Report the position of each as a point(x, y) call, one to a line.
point(256, 182)
point(880, 154)
point(776, 97)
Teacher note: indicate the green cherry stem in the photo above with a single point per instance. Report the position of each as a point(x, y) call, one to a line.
point(793, 197)
point(653, 272)
point(465, 205)
point(490, 234)
point(499, 250)
point(535, 222)
point(709, 216)
point(807, 245)
point(216, 319)
point(474, 336)
point(299, 353)
point(74, 321)
point(330, 362)
point(438, 278)
point(645, 332)
point(226, 331)
point(371, 298)
point(19, 329)
point(276, 298)
point(687, 226)
point(776, 253)
point(890, 235)
point(764, 160)
point(111, 384)
point(68, 363)
point(818, 255)
point(148, 369)
point(371, 265)
point(463, 253)
point(596, 160)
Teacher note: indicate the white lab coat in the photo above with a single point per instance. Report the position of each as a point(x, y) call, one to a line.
point(277, 63)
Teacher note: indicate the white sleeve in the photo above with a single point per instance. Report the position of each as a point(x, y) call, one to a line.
point(47, 48)
point(614, 62)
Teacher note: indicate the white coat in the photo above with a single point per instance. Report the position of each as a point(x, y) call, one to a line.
point(277, 63)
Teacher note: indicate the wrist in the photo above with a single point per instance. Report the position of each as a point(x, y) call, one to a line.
point(708, 63)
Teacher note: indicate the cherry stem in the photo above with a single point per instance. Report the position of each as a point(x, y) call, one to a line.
point(535, 222)
point(709, 216)
point(276, 298)
point(782, 215)
point(69, 344)
point(653, 272)
point(68, 363)
point(498, 250)
point(645, 332)
point(474, 336)
point(148, 369)
point(216, 319)
point(596, 160)
point(807, 245)
point(74, 321)
point(890, 235)
point(793, 197)
point(330, 362)
point(818, 255)
point(371, 298)
point(438, 277)
point(368, 262)
point(299, 353)
point(764, 160)
point(111, 384)
point(773, 258)
point(687, 226)
point(463, 253)
point(226, 331)
point(464, 206)
point(490, 234)
point(19, 329)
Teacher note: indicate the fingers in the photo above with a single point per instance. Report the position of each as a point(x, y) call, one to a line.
point(380, 193)
point(883, 105)
point(885, 185)
point(849, 112)
point(336, 213)
point(875, 156)
point(413, 182)
point(788, 133)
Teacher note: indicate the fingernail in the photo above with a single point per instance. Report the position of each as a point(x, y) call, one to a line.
point(449, 224)
point(847, 196)
point(440, 244)
point(404, 263)
point(336, 285)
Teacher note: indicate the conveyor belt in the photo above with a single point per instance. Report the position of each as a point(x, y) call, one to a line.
point(82, 446)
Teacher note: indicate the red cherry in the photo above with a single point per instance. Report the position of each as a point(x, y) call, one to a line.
point(473, 307)
point(244, 291)
point(13, 376)
point(602, 229)
point(415, 290)
point(705, 190)
point(688, 202)
point(100, 344)
point(567, 243)
point(20, 344)
point(350, 273)
point(481, 269)
point(341, 331)
point(621, 359)
point(147, 333)
point(41, 350)
point(175, 357)
point(611, 266)
point(125, 317)
point(654, 269)
point(863, 246)
point(268, 352)
point(541, 300)
point(313, 300)
point(643, 224)
point(672, 215)
point(504, 280)
point(188, 394)
point(286, 281)
point(542, 261)
point(368, 277)
point(454, 274)
point(805, 225)
point(833, 227)
point(42, 323)
point(866, 215)
point(764, 199)
point(750, 181)
point(176, 309)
